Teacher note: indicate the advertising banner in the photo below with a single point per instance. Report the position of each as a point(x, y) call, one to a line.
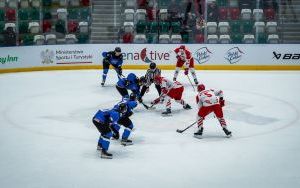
point(142, 54)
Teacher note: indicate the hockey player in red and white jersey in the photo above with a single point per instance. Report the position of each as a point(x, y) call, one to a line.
point(210, 101)
point(170, 90)
point(185, 59)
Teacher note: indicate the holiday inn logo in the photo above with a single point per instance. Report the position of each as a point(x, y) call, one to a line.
point(8, 59)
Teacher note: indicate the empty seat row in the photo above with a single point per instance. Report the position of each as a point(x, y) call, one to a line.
point(246, 39)
point(245, 27)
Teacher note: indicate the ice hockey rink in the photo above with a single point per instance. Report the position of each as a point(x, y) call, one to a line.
point(47, 138)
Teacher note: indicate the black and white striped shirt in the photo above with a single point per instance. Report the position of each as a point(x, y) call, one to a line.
point(150, 75)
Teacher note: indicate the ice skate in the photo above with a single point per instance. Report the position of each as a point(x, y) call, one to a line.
point(126, 142)
point(227, 132)
point(198, 134)
point(167, 112)
point(106, 155)
point(99, 147)
point(187, 107)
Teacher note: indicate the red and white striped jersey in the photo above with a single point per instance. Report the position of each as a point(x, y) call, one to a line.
point(208, 97)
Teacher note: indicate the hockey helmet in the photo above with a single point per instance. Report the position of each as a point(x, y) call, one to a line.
point(117, 49)
point(122, 107)
point(201, 87)
point(182, 47)
point(152, 65)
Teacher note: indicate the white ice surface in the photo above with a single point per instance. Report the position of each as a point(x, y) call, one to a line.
point(47, 138)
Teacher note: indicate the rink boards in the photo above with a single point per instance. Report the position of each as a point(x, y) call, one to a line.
point(138, 56)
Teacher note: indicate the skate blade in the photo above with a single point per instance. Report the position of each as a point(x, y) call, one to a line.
point(126, 144)
point(198, 136)
point(229, 136)
point(106, 157)
point(166, 115)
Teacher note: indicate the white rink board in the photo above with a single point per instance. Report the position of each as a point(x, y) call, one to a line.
point(141, 54)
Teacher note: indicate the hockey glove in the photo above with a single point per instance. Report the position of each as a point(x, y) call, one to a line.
point(119, 70)
point(128, 114)
point(140, 99)
point(222, 102)
point(164, 90)
point(186, 71)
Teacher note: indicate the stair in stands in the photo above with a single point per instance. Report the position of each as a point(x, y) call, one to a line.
point(106, 20)
point(289, 22)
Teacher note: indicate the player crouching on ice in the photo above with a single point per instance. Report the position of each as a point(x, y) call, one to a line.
point(170, 90)
point(210, 101)
point(131, 82)
point(125, 121)
point(104, 120)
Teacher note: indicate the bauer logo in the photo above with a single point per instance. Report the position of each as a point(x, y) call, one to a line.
point(286, 56)
point(234, 55)
point(47, 56)
point(202, 55)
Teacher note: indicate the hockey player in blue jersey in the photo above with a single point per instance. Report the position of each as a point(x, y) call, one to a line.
point(114, 58)
point(125, 121)
point(104, 120)
point(131, 82)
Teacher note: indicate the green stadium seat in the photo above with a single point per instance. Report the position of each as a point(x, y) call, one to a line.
point(237, 38)
point(2, 15)
point(1, 40)
point(164, 27)
point(141, 27)
point(23, 14)
point(235, 26)
point(60, 26)
point(82, 38)
point(23, 27)
point(222, 3)
point(73, 14)
point(153, 27)
point(185, 38)
point(47, 14)
point(47, 3)
point(261, 38)
point(1, 27)
point(34, 14)
point(175, 27)
point(164, 3)
point(152, 38)
point(84, 14)
point(28, 40)
point(247, 26)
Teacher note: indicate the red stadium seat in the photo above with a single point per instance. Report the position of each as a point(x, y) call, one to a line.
point(46, 26)
point(223, 13)
point(72, 26)
point(10, 14)
point(127, 38)
point(85, 3)
point(269, 14)
point(235, 13)
point(150, 14)
point(141, 3)
point(199, 38)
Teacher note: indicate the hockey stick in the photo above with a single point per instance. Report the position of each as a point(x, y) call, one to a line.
point(191, 82)
point(147, 107)
point(181, 131)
